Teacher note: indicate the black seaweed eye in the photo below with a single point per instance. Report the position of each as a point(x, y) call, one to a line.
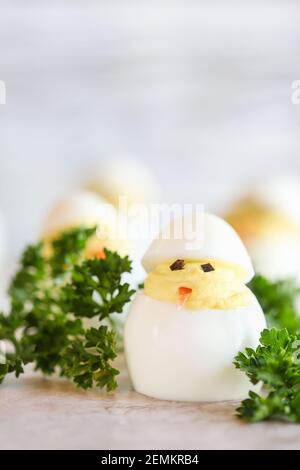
point(207, 267)
point(177, 265)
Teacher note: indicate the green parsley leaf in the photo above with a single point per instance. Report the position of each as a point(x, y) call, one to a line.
point(26, 283)
point(275, 363)
point(3, 371)
point(88, 362)
point(96, 287)
point(278, 301)
point(68, 248)
point(51, 297)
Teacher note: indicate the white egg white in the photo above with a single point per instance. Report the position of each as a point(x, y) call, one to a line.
point(276, 258)
point(123, 175)
point(281, 193)
point(79, 208)
point(217, 240)
point(179, 354)
point(277, 255)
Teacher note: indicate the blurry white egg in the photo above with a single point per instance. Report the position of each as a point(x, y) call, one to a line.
point(87, 209)
point(276, 258)
point(84, 208)
point(123, 176)
point(267, 218)
point(281, 194)
point(126, 177)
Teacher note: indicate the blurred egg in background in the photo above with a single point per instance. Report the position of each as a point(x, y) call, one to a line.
point(267, 217)
point(88, 210)
point(127, 183)
point(116, 176)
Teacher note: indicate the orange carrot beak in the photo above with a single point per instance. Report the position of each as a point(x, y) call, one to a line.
point(183, 295)
point(100, 254)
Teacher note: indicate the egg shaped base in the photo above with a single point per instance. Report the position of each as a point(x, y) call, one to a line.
point(187, 355)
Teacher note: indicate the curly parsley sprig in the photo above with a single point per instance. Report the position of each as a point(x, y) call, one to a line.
point(276, 364)
point(278, 301)
point(51, 296)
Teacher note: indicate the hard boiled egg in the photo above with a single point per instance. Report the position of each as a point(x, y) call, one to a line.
point(124, 175)
point(205, 237)
point(128, 184)
point(84, 208)
point(179, 354)
point(268, 220)
point(193, 316)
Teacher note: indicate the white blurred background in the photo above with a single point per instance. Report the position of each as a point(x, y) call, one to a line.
point(198, 90)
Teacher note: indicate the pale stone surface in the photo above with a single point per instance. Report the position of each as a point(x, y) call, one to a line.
point(38, 413)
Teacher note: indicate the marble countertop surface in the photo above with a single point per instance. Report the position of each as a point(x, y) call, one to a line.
point(39, 413)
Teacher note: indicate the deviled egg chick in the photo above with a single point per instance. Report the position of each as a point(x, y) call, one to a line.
point(267, 219)
point(192, 318)
point(86, 209)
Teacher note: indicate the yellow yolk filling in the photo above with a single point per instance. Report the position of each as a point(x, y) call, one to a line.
point(219, 289)
point(250, 220)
